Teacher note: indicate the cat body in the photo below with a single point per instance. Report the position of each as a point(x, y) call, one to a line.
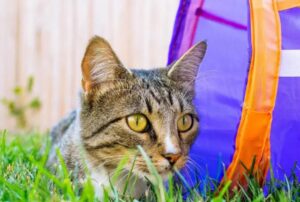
point(121, 109)
point(66, 137)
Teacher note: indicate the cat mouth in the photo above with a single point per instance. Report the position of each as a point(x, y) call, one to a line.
point(170, 170)
point(162, 168)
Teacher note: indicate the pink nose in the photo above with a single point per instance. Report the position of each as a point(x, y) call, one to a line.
point(172, 158)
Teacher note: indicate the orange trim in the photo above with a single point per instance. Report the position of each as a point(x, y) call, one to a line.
point(287, 4)
point(252, 140)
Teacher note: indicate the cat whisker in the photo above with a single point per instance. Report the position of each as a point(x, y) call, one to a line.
point(195, 164)
point(121, 180)
point(188, 173)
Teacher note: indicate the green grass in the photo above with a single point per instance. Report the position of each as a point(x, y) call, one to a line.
point(24, 177)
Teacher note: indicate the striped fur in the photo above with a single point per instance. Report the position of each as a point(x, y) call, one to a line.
point(96, 136)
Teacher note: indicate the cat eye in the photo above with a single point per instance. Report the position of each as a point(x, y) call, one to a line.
point(137, 122)
point(185, 123)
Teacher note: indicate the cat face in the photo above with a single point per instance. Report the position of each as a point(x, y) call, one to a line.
point(124, 108)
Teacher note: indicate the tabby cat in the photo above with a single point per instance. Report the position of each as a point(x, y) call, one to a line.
point(122, 108)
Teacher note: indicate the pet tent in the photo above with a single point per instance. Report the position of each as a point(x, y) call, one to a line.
point(248, 88)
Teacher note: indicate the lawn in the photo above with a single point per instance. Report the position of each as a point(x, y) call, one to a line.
point(24, 177)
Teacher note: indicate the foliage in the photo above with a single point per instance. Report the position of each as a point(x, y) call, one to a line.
point(24, 177)
point(23, 103)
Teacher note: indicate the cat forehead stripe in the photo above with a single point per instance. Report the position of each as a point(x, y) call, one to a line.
point(170, 97)
point(154, 96)
point(148, 104)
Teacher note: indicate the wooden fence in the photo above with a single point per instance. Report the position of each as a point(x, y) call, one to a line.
point(47, 39)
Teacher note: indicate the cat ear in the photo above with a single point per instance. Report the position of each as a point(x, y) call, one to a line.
point(100, 64)
point(185, 69)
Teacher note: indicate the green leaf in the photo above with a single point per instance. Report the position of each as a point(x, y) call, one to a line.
point(4, 101)
point(18, 90)
point(12, 107)
point(30, 83)
point(35, 103)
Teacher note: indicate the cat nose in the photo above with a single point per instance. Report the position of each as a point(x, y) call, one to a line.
point(172, 158)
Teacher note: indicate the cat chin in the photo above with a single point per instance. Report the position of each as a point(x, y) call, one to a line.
point(144, 176)
point(165, 176)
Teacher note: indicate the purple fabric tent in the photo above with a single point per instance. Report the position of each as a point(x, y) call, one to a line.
point(223, 77)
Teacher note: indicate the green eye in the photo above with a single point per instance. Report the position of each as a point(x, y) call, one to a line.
point(185, 123)
point(137, 122)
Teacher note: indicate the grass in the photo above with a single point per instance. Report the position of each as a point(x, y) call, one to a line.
point(24, 177)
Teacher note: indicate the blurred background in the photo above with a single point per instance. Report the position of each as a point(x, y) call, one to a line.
point(42, 43)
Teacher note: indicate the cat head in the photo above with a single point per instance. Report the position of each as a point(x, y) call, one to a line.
point(124, 108)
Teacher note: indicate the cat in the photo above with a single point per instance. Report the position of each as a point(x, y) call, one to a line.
point(121, 108)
